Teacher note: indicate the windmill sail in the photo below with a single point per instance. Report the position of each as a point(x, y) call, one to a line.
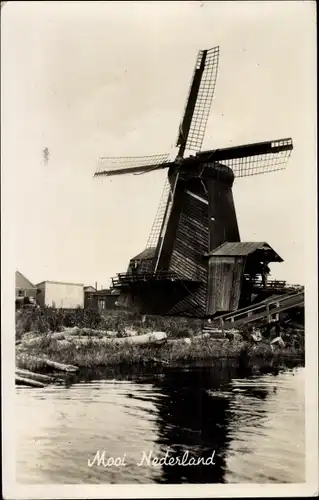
point(192, 128)
point(196, 214)
point(198, 104)
point(118, 165)
point(157, 225)
point(252, 159)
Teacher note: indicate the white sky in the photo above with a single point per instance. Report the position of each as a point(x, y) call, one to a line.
point(90, 79)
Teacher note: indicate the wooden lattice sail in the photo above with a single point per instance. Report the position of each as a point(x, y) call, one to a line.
point(196, 212)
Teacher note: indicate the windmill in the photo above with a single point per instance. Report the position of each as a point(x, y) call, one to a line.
point(196, 213)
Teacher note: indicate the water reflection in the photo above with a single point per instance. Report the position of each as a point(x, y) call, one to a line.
point(247, 424)
point(190, 420)
point(194, 421)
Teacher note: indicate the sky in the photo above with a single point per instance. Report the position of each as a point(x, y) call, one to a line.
point(90, 79)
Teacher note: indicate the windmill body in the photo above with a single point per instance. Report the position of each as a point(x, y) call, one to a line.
point(178, 272)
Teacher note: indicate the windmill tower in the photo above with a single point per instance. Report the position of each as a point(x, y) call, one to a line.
point(197, 212)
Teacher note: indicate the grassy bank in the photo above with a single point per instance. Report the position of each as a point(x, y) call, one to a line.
point(55, 320)
point(89, 348)
point(92, 353)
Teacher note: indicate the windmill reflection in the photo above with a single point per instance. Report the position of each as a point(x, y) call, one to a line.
point(195, 417)
point(194, 421)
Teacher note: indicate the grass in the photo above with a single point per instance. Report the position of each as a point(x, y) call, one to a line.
point(93, 353)
point(54, 320)
point(37, 333)
point(49, 319)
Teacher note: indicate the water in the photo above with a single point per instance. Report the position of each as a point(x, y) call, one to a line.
point(252, 427)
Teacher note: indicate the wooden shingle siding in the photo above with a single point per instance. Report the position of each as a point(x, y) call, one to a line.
point(190, 245)
point(191, 240)
point(194, 231)
point(186, 267)
point(194, 304)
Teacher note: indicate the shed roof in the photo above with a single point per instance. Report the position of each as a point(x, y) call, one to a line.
point(244, 248)
point(23, 282)
point(59, 283)
point(148, 253)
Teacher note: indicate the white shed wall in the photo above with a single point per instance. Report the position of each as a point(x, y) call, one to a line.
point(64, 295)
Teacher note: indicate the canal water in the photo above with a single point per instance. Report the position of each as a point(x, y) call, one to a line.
point(251, 428)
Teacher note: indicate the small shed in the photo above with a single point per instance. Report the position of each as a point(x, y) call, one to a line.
point(59, 294)
point(228, 265)
point(88, 296)
point(101, 299)
point(143, 261)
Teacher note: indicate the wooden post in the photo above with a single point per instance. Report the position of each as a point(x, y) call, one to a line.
point(222, 326)
point(268, 313)
point(277, 314)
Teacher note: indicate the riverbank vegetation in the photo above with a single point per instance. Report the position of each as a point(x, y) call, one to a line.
point(55, 320)
point(88, 340)
point(200, 351)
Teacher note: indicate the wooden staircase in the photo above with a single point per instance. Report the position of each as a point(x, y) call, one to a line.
point(263, 312)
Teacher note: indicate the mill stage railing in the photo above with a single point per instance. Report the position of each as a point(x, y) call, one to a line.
point(128, 278)
point(269, 284)
point(258, 282)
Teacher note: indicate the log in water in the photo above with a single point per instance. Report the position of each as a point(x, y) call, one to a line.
point(60, 366)
point(28, 381)
point(54, 364)
point(34, 376)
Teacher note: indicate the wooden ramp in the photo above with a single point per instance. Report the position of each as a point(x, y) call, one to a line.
point(266, 311)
